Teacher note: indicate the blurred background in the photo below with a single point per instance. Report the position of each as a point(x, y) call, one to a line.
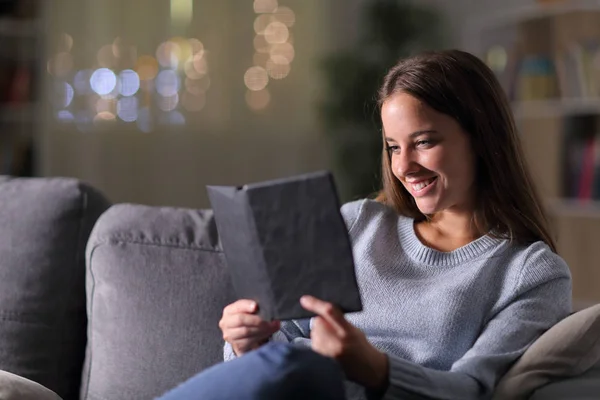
point(151, 100)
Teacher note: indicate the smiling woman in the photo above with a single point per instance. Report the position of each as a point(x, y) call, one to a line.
point(475, 151)
point(456, 267)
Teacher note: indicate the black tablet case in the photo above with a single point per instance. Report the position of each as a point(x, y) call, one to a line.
point(286, 238)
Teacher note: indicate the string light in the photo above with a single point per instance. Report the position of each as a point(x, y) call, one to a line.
point(274, 51)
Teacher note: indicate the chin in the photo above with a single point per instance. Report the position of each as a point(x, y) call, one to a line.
point(428, 208)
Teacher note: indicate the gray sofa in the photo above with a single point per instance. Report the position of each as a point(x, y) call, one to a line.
point(121, 302)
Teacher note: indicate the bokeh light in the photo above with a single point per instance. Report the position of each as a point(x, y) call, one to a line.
point(147, 86)
point(190, 70)
point(285, 50)
point(63, 94)
point(265, 6)
point(197, 86)
point(278, 67)
point(65, 116)
point(168, 103)
point(258, 100)
point(103, 81)
point(91, 103)
point(196, 45)
point(105, 105)
point(193, 102)
point(200, 64)
point(129, 82)
point(167, 83)
point(184, 47)
point(127, 109)
point(141, 90)
point(81, 82)
point(276, 32)
point(261, 45)
point(125, 53)
point(146, 68)
point(182, 12)
point(104, 116)
point(117, 47)
point(106, 57)
point(261, 22)
point(168, 54)
point(256, 78)
point(65, 42)
point(285, 15)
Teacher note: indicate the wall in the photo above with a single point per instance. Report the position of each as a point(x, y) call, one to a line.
point(463, 14)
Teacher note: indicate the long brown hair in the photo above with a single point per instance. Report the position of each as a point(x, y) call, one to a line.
point(460, 85)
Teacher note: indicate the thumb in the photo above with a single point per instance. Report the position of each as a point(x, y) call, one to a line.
point(274, 326)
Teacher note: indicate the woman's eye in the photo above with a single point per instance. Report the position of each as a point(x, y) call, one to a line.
point(424, 143)
point(393, 149)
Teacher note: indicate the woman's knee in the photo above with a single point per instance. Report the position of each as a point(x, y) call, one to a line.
point(299, 372)
point(276, 371)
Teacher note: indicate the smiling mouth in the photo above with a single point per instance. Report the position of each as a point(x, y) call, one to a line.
point(417, 187)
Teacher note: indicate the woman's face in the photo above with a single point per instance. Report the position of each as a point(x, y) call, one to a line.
point(430, 155)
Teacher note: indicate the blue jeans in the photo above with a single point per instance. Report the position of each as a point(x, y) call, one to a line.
point(276, 371)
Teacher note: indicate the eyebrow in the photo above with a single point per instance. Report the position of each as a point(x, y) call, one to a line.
point(414, 134)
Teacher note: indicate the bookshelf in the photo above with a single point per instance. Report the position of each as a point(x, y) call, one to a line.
point(547, 57)
point(20, 59)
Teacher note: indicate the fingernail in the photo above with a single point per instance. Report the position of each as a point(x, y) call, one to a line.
point(304, 300)
point(253, 306)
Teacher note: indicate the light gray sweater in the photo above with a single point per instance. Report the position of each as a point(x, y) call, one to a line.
point(451, 323)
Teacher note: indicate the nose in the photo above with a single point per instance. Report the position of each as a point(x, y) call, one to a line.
point(403, 163)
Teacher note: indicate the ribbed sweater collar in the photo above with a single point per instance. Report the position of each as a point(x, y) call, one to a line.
point(417, 251)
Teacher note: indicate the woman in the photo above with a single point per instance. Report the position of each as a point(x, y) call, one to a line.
point(456, 266)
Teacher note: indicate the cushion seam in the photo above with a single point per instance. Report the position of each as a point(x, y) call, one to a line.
point(12, 318)
point(90, 357)
point(128, 240)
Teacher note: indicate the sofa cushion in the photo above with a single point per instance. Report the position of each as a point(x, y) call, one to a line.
point(568, 349)
point(156, 288)
point(14, 387)
point(44, 227)
point(582, 387)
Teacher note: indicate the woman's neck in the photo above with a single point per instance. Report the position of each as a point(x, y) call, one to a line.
point(448, 230)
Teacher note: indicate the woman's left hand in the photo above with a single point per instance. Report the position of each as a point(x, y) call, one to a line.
point(333, 336)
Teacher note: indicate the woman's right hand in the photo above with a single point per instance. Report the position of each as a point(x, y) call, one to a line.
point(243, 329)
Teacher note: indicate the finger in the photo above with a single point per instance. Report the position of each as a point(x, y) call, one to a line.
point(245, 345)
point(245, 332)
point(327, 311)
point(241, 320)
point(324, 339)
point(241, 306)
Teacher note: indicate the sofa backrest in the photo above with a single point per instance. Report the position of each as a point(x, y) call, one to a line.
point(44, 227)
point(156, 288)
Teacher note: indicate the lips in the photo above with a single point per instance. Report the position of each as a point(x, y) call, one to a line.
point(421, 185)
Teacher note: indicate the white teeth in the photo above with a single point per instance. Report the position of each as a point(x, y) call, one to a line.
point(421, 185)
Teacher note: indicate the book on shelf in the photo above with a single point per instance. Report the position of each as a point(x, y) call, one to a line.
point(555, 60)
point(581, 158)
point(572, 73)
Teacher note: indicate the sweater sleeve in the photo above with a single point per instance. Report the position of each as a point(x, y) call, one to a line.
point(541, 298)
point(350, 212)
